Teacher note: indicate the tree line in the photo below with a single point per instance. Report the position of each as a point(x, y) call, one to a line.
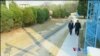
point(15, 17)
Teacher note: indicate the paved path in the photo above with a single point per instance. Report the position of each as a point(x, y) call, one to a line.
point(70, 42)
point(48, 47)
point(27, 41)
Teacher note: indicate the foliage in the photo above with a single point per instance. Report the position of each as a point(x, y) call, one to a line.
point(16, 17)
point(29, 18)
point(56, 13)
point(17, 14)
point(64, 13)
point(71, 7)
point(46, 13)
point(3, 2)
point(6, 19)
point(60, 12)
point(82, 7)
point(43, 15)
point(34, 10)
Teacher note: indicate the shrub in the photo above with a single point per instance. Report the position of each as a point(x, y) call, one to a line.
point(34, 10)
point(63, 13)
point(46, 14)
point(17, 15)
point(43, 15)
point(28, 16)
point(40, 14)
point(6, 19)
point(67, 13)
point(60, 13)
point(56, 13)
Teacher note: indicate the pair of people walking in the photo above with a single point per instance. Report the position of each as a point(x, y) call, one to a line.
point(77, 27)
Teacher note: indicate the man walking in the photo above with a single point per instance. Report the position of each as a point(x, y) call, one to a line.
point(70, 26)
point(77, 27)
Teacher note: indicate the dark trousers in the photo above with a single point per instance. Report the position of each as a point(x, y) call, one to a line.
point(77, 31)
point(70, 30)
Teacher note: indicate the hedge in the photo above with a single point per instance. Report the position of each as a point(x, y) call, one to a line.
point(42, 14)
point(6, 19)
point(29, 18)
point(34, 10)
point(17, 15)
point(56, 13)
point(60, 13)
point(46, 14)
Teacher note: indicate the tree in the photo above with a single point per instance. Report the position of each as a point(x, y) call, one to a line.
point(60, 12)
point(71, 6)
point(3, 2)
point(82, 7)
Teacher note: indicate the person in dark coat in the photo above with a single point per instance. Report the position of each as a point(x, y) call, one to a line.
point(77, 27)
point(70, 26)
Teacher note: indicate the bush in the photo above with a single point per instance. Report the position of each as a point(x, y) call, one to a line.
point(67, 13)
point(17, 15)
point(29, 17)
point(43, 15)
point(56, 13)
point(60, 13)
point(46, 14)
point(34, 10)
point(6, 19)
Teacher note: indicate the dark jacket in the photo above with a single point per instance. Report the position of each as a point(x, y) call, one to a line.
point(70, 25)
point(77, 25)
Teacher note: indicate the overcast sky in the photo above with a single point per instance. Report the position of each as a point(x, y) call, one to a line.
point(37, 3)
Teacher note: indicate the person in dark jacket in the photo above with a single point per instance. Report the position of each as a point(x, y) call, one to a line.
point(70, 26)
point(77, 27)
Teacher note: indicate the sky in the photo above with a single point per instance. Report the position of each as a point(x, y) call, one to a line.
point(37, 3)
